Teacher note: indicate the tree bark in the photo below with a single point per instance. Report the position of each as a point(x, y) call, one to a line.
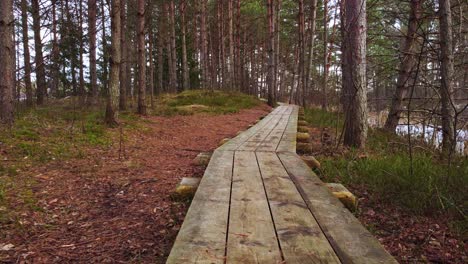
point(6, 62)
point(407, 64)
point(141, 58)
point(271, 55)
point(185, 68)
point(92, 50)
point(325, 55)
point(113, 94)
point(27, 62)
point(55, 68)
point(124, 72)
point(354, 73)
point(203, 46)
point(447, 73)
point(39, 60)
point(231, 44)
point(310, 57)
point(173, 47)
point(81, 51)
point(301, 77)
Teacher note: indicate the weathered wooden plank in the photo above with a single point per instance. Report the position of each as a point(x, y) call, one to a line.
point(253, 142)
point(251, 237)
point(270, 143)
point(202, 237)
point(300, 237)
point(234, 143)
point(350, 240)
point(288, 140)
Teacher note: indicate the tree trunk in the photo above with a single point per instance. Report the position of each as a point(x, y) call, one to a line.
point(301, 80)
point(231, 44)
point(55, 68)
point(310, 57)
point(277, 44)
point(105, 52)
point(92, 50)
point(325, 54)
point(203, 46)
point(447, 73)
point(271, 55)
point(113, 94)
point(124, 62)
point(185, 69)
point(6, 62)
point(141, 58)
point(27, 62)
point(81, 51)
point(406, 67)
point(354, 73)
point(39, 60)
point(173, 47)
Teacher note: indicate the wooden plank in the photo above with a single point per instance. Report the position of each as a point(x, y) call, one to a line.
point(253, 142)
point(301, 238)
point(234, 143)
point(288, 140)
point(202, 237)
point(270, 143)
point(251, 237)
point(350, 240)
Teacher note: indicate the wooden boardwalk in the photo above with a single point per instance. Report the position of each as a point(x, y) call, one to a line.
point(258, 202)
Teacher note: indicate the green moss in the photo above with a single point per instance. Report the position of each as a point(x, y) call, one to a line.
point(214, 102)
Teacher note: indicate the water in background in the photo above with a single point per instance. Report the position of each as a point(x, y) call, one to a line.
point(432, 135)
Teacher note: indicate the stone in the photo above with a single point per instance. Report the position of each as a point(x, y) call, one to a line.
point(202, 159)
point(186, 188)
point(302, 123)
point(304, 148)
point(302, 137)
point(311, 161)
point(223, 141)
point(344, 195)
point(302, 129)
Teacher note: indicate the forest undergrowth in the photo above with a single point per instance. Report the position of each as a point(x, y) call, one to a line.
point(407, 200)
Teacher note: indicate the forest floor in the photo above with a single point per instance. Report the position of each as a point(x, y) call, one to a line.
point(111, 204)
point(412, 227)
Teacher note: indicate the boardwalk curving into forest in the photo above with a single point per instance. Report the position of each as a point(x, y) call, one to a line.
point(258, 202)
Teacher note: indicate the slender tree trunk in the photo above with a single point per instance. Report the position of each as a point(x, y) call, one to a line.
point(39, 60)
point(124, 63)
point(113, 94)
point(271, 55)
point(354, 83)
point(185, 68)
point(203, 44)
point(301, 72)
point(277, 44)
point(141, 58)
point(92, 7)
point(160, 56)
point(173, 46)
point(325, 55)
point(151, 63)
point(55, 68)
point(231, 44)
point(447, 73)
point(310, 57)
point(237, 76)
point(81, 51)
point(105, 53)
point(6, 62)
point(406, 66)
point(27, 62)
